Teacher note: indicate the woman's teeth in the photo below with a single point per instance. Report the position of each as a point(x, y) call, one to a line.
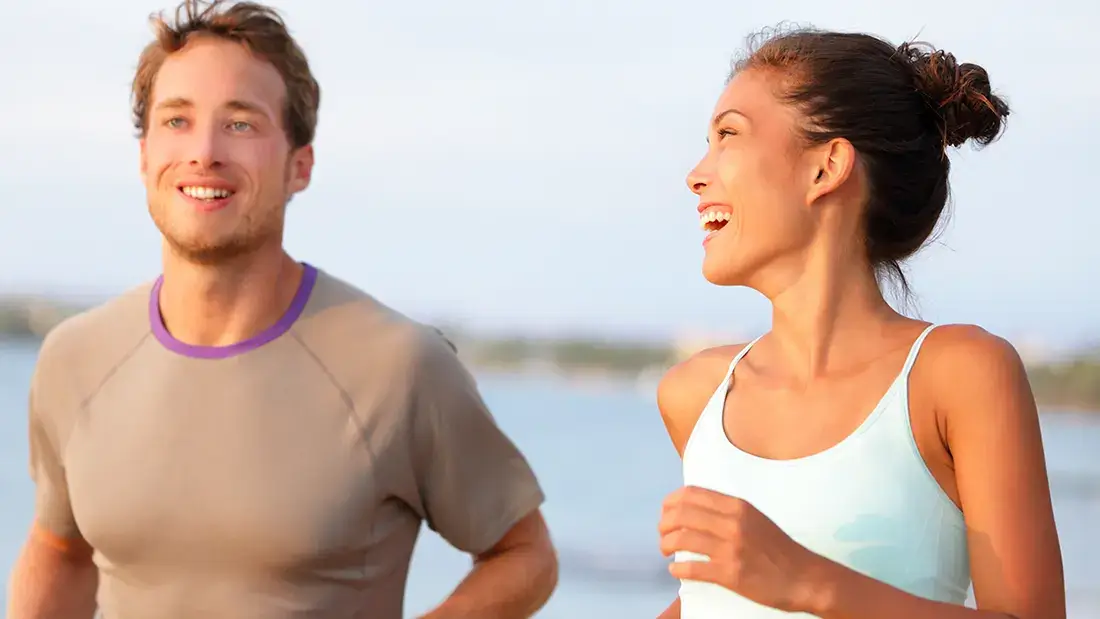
point(713, 220)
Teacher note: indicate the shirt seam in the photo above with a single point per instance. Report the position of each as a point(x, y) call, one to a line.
point(349, 402)
point(85, 403)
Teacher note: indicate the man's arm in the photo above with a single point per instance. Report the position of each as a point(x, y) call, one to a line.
point(672, 612)
point(54, 576)
point(52, 579)
point(479, 493)
point(513, 579)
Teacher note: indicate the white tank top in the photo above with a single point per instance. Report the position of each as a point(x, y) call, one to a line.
point(869, 503)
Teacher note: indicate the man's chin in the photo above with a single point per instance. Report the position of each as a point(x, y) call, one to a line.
point(209, 252)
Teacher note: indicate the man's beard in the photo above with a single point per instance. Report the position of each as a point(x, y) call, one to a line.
point(249, 238)
point(213, 254)
point(252, 235)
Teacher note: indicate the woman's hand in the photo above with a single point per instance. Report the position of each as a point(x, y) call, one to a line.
point(749, 554)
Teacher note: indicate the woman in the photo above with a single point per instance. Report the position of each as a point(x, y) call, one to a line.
point(851, 463)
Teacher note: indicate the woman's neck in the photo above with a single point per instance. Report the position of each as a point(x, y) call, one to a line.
point(827, 314)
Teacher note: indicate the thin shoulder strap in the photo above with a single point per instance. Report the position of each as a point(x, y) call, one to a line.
point(912, 358)
point(737, 358)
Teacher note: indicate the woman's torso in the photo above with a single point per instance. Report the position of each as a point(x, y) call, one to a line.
point(868, 502)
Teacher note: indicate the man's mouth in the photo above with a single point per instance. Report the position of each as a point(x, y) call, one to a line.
point(207, 194)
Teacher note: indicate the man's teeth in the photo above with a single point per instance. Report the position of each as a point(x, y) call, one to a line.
point(206, 193)
point(711, 217)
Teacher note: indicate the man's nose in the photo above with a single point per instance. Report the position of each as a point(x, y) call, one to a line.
point(206, 149)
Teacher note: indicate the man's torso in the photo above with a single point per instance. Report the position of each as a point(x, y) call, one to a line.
point(277, 482)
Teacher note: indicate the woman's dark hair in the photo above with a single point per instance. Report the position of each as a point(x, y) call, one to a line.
point(900, 107)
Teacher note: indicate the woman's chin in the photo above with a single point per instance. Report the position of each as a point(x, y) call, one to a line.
point(722, 274)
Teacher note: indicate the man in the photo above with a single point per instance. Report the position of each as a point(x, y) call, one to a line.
point(249, 436)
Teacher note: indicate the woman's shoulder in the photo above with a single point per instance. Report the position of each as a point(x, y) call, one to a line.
point(966, 369)
point(686, 387)
point(957, 350)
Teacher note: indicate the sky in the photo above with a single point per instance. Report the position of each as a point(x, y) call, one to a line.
point(520, 165)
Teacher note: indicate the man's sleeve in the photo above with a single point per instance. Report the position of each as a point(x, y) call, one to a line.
point(474, 484)
point(54, 519)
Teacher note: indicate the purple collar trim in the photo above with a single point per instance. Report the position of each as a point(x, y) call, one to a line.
point(297, 306)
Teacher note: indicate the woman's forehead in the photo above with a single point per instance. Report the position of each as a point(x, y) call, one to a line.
point(751, 95)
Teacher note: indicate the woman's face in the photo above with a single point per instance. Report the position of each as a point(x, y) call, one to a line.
point(753, 183)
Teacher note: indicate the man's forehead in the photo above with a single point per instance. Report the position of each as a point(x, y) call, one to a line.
point(218, 75)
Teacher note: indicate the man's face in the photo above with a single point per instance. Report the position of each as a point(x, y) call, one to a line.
point(217, 165)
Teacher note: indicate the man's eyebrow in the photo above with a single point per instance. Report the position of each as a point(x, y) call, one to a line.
point(174, 103)
point(236, 105)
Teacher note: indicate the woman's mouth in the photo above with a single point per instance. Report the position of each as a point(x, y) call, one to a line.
point(713, 221)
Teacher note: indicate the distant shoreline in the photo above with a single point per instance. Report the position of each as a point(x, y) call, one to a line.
point(1071, 385)
point(644, 383)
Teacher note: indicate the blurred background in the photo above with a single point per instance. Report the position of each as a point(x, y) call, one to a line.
point(514, 173)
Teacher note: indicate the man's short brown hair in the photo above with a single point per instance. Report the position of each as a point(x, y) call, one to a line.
point(259, 28)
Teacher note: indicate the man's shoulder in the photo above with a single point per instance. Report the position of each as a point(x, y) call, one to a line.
point(344, 325)
point(118, 323)
point(81, 350)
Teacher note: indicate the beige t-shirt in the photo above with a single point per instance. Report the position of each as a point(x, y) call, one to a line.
point(286, 476)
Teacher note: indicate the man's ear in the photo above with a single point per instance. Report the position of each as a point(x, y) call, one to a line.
point(143, 162)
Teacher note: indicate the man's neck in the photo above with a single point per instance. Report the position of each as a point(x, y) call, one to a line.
point(221, 305)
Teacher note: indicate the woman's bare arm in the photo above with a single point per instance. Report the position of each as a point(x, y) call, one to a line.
point(681, 396)
point(994, 437)
point(992, 431)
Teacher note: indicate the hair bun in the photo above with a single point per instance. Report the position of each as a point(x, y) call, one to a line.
point(960, 95)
